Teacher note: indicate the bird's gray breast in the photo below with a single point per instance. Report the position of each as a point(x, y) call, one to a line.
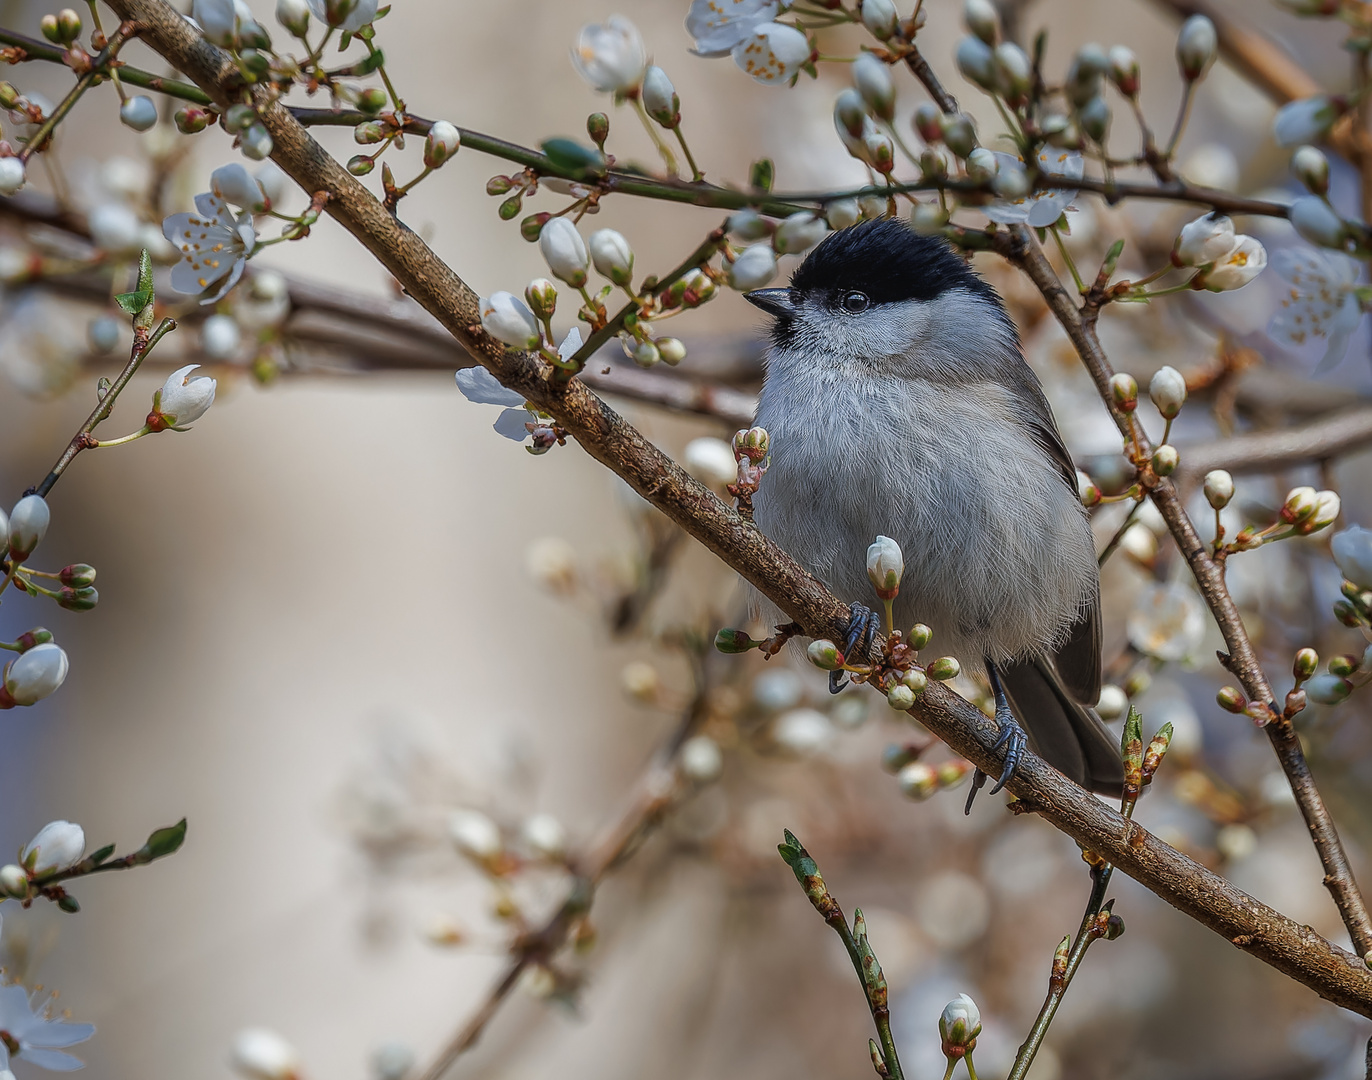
point(998, 554)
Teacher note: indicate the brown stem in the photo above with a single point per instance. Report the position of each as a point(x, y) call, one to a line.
point(1019, 246)
point(1269, 451)
point(1295, 950)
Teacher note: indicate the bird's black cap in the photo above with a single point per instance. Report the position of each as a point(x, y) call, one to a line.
point(887, 260)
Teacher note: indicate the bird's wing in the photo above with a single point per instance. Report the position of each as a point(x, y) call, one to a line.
point(1065, 733)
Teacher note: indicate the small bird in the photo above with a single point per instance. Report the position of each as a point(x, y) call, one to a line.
point(898, 403)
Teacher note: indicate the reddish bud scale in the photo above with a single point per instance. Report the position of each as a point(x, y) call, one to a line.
point(29, 639)
point(1259, 713)
point(6, 702)
point(1295, 702)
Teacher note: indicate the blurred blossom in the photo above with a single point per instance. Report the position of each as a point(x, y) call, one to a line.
point(701, 759)
point(41, 346)
point(1212, 165)
point(778, 689)
point(799, 232)
point(718, 26)
point(349, 15)
point(610, 55)
point(220, 337)
point(545, 836)
point(392, 1061)
point(1236, 842)
point(1167, 622)
point(1322, 301)
point(474, 834)
point(640, 681)
point(115, 228)
point(711, 461)
point(773, 53)
point(214, 245)
point(1276, 789)
point(953, 909)
point(850, 711)
point(1353, 553)
point(803, 731)
point(551, 562)
point(12, 175)
point(1139, 542)
point(33, 1034)
point(1307, 120)
point(262, 1054)
point(1042, 208)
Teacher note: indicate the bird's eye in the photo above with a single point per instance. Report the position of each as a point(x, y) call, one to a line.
point(854, 302)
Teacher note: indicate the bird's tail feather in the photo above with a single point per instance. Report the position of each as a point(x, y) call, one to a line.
point(1064, 732)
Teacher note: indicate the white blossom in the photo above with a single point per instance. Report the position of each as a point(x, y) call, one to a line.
point(982, 19)
point(612, 256)
point(842, 212)
point(1238, 268)
point(28, 524)
point(1306, 120)
point(183, 399)
point(754, 267)
point(1218, 488)
point(138, 112)
point(262, 1054)
point(799, 232)
point(218, 20)
point(976, 61)
point(11, 175)
point(1322, 301)
point(59, 845)
point(1041, 208)
point(220, 337)
point(544, 835)
point(879, 16)
point(1197, 46)
point(482, 388)
point(1353, 554)
point(1204, 240)
point(508, 319)
point(710, 461)
point(233, 184)
point(475, 835)
point(564, 251)
point(773, 54)
point(960, 1023)
point(442, 142)
point(659, 97)
point(294, 15)
point(803, 731)
point(1168, 622)
point(885, 566)
point(718, 26)
point(872, 78)
point(346, 15)
point(701, 759)
point(1328, 689)
point(115, 228)
point(215, 246)
point(1167, 388)
point(41, 346)
point(1112, 703)
point(34, 1034)
point(610, 55)
point(1311, 168)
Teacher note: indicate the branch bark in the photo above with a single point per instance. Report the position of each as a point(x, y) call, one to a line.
point(1267, 451)
point(1292, 949)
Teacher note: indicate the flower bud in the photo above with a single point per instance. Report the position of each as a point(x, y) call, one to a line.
point(12, 175)
point(542, 297)
point(191, 119)
point(879, 151)
point(927, 122)
point(1204, 240)
point(1327, 507)
point(943, 669)
point(1124, 69)
point(47, 25)
point(14, 882)
point(256, 143)
point(261, 1054)
point(598, 128)
point(474, 834)
point(895, 757)
point(1300, 504)
point(1218, 488)
point(442, 142)
point(59, 845)
point(138, 113)
point(1087, 490)
point(1010, 182)
point(612, 256)
point(505, 318)
point(900, 697)
point(754, 268)
point(919, 637)
point(916, 680)
point(982, 19)
point(1113, 702)
point(879, 16)
point(958, 133)
point(369, 132)
point(1307, 120)
point(1167, 388)
point(82, 599)
point(752, 443)
point(842, 212)
point(959, 1026)
point(361, 164)
point(1317, 221)
point(1094, 119)
point(976, 61)
point(238, 118)
point(885, 567)
point(1311, 168)
point(182, 400)
point(799, 232)
point(294, 15)
point(34, 674)
point(917, 780)
point(660, 98)
point(1014, 72)
point(824, 654)
point(564, 251)
point(1165, 460)
point(702, 761)
point(673, 350)
point(1124, 391)
point(645, 354)
point(1343, 666)
point(927, 218)
point(1328, 689)
point(1306, 663)
point(28, 524)
point(1231, 700)
point(1197, 47)
point(732, 642)
point(872, 77)
point(1352, 551)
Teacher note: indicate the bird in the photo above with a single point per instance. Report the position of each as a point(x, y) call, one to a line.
point(898, 403)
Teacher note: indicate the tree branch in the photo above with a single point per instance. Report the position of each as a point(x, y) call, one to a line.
point(1268, 451)
point(1294, 950)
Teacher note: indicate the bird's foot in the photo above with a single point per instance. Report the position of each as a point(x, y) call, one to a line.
point(863, 625)
point(1012, 736)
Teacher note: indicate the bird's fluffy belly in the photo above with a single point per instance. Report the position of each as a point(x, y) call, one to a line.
point(998, 554)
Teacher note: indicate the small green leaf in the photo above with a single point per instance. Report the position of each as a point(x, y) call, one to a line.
point(369, 63)
point(570, 156)
point(133, 302)
point(101, 855)
point(762, 173)
point(163, 842)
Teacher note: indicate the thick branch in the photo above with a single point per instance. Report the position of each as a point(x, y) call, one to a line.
point(1019, 246)
point(1267, 451)
point(1295, 950)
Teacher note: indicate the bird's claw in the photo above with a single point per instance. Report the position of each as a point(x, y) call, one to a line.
point(863, 625)
point(1013, 737)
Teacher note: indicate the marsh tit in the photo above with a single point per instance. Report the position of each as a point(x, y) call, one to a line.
point(899, 404)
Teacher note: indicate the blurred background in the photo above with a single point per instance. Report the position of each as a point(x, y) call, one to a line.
point(342, 609)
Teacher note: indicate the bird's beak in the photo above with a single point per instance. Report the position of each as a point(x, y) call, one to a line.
point(773, 301)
